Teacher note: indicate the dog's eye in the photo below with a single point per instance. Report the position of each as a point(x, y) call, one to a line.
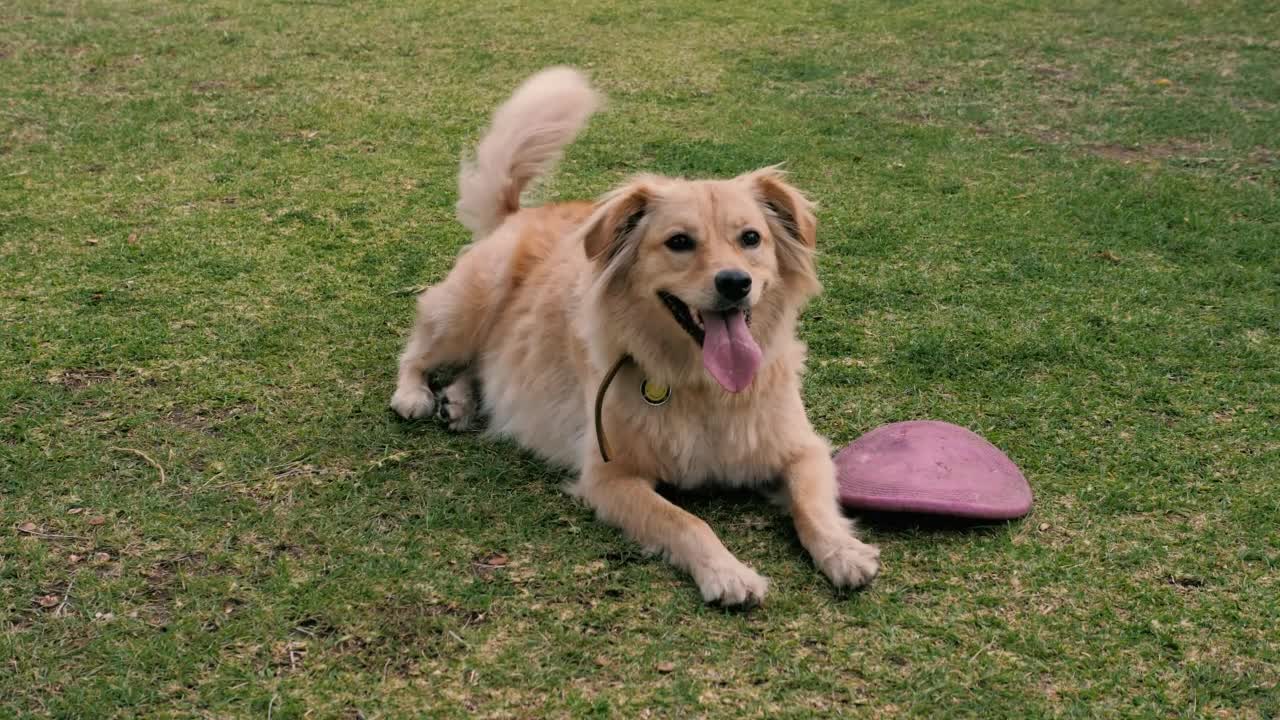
point(750, 238)
point(679, 243)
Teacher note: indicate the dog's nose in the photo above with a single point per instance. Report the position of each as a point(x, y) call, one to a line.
point(733, 285)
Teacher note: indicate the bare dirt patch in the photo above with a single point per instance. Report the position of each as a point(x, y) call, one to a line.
point(1147, 153)
point(208, 87)
point(1052, 72)
point(406, 632)
point(79, 378)
point(208, 421)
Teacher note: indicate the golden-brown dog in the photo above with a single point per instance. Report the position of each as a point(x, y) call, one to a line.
point(690, 288)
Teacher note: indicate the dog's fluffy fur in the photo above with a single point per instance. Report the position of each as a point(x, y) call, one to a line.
point(547, 299)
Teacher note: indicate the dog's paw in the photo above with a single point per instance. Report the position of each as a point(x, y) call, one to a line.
point(413, 402)
point(730, 583)
point(458, 406)
point(849, 562)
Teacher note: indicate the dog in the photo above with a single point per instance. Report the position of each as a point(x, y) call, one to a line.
point(646, 337)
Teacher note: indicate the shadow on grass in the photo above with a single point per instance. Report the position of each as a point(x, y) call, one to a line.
point(910, 523)
point(722, 501)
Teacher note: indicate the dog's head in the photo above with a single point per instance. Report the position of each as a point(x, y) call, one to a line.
point(703, 276)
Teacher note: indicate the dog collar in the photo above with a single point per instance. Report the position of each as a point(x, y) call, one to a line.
point(604, 387)
point(653, 393)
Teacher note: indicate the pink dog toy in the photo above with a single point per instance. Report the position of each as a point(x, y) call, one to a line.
point(932, 467)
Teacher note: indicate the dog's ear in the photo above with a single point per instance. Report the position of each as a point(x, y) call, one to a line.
point(788, 211)
point(615, 218)
point(792, 224)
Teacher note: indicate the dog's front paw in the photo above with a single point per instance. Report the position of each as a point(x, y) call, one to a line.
point(848, 562)
point(729, 582)
point(413, 402)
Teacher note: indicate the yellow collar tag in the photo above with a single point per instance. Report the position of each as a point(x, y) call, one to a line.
point(655, 394)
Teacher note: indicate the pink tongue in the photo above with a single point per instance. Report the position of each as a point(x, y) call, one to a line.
point(729, 352)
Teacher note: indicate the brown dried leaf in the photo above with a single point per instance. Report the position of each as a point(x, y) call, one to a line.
point(484, 567)
point(75, 511)
point(48, 601)
point(97, 520)
point(101, 557)
point(28, 528)
point(666, 667)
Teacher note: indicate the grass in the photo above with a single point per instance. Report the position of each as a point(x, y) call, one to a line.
point(1055, 223)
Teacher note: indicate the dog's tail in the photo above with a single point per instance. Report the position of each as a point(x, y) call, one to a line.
point(524, 141)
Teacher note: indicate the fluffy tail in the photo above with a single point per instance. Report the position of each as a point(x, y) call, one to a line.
point(524, 141)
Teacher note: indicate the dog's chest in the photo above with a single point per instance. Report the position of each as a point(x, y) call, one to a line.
point(691, 443)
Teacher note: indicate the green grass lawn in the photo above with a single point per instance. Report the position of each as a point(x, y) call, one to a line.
point(1054, 223)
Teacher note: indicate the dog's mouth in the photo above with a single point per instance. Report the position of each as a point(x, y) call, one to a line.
point(729, 352)
point(684, 316)
point(691, 320)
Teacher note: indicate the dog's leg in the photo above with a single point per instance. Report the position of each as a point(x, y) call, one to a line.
point(811, 496)
point(458, 402)
point(443, 334)
point(631, 504)
point(413, 399)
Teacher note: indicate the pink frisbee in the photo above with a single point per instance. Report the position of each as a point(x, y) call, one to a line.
point(932, 467)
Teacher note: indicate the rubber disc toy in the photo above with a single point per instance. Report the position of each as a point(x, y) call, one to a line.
point(931, 467)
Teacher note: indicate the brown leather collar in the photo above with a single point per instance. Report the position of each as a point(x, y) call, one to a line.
point(604, 387)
